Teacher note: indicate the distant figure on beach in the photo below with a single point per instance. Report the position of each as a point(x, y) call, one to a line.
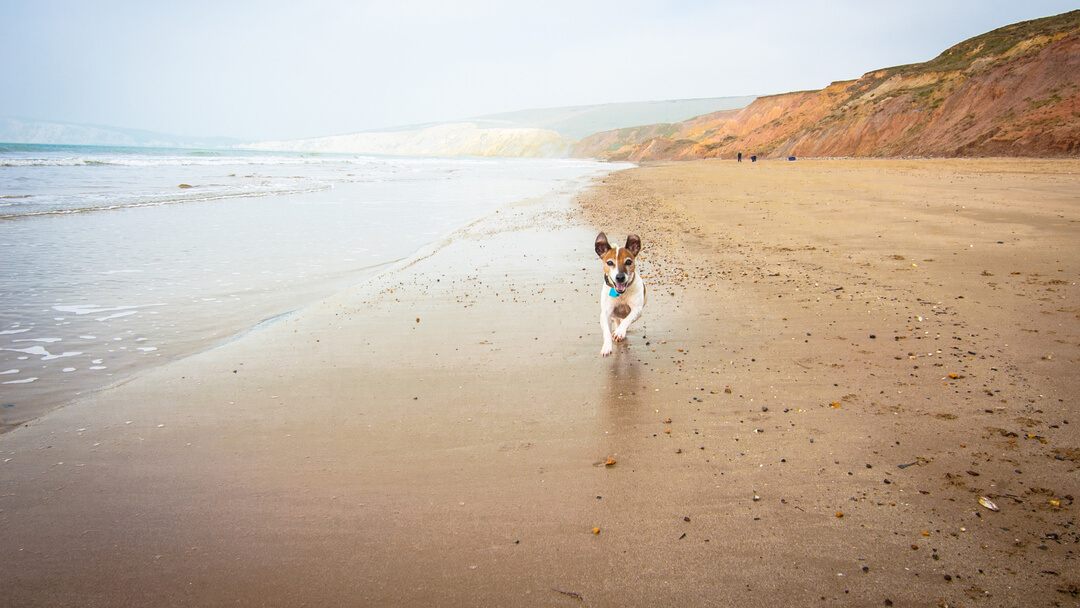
point(753, 158)
point(740, 157)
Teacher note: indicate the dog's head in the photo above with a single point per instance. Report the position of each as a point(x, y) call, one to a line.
point(619, 271)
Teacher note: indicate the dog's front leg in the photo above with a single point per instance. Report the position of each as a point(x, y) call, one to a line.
point(605, 330)
point(620, 332)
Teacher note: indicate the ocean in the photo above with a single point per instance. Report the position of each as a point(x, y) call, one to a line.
point(113, 260)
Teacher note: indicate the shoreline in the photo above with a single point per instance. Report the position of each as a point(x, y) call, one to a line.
point(782, 429)
point(85, 322)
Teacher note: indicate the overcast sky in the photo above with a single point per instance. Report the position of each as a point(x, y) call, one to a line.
point(305, 68)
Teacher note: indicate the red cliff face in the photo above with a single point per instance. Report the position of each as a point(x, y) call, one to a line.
point(1011, 92)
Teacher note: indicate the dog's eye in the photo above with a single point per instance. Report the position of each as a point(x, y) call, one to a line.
point(610, 263)
point(629, 261)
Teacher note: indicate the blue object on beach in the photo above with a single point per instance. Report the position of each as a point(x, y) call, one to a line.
point(613, 293)
point(791, 158)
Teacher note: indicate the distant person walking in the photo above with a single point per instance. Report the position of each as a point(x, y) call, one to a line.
point(740, 157)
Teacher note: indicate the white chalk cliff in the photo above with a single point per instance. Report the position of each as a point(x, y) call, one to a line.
point(457, 139)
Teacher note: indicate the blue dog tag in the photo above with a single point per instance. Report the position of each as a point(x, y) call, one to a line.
point(613, 293)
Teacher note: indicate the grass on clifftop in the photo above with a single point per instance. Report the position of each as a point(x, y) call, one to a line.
point(995, 43)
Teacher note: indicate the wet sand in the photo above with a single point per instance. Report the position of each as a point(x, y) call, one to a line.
point(837, 361)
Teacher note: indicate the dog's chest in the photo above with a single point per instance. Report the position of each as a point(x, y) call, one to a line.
point(620, 305)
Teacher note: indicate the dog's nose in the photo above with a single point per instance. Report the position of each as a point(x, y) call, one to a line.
point(620, 277)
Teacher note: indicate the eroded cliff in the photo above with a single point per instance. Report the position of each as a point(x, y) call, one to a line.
point(1014, 91)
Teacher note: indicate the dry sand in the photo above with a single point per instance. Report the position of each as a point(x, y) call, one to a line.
point(838, 359)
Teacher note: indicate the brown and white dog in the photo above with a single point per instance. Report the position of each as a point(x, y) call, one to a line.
point(623, 295)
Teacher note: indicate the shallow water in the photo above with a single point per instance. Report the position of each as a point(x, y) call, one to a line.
point(110, 267)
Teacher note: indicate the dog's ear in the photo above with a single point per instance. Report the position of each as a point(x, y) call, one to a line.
point(633, 243)
point(602, 245)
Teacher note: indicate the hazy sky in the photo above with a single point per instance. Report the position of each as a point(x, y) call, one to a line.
point(304, 68)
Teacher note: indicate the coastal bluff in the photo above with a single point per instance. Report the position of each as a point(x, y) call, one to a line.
point(455, 139)
point(1014, 91)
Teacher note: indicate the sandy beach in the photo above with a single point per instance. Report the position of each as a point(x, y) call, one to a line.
point(855, 384)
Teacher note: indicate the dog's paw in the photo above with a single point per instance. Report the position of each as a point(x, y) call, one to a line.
point(606, 350)
point(619, 334)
